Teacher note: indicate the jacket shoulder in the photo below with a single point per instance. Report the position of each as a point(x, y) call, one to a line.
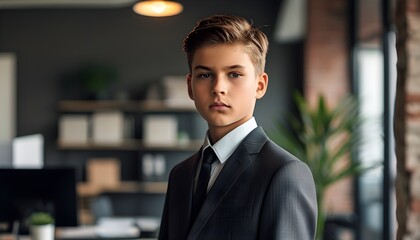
point(276, 154)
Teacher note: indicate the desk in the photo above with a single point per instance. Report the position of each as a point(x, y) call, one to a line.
point(11, 237)
point(102, 232)
point(112, 228)
point(91, 233)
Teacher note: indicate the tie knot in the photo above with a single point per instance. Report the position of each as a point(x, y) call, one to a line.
point(209, 157)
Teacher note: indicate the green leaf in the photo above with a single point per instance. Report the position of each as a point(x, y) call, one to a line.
point(323, 138)
point(40, 218)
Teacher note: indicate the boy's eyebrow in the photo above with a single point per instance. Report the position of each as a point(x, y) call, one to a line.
point(235, 66)
point(201, 67)
point(208, 68)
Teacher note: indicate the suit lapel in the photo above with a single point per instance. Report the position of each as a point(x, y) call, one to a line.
point(183, 195)
point(240, 160)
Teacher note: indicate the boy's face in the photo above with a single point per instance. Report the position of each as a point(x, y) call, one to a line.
point(224, 86)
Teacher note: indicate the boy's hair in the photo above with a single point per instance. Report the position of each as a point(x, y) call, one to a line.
point(228, 29)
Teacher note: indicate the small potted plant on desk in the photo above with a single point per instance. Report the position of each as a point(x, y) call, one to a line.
point(41, 226)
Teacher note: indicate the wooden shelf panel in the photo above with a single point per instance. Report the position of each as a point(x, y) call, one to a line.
point(129, 106)
point(130, 145)
point(89, 190)
point(126, 145)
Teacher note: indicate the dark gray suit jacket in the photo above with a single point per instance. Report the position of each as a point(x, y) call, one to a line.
point(262, 192)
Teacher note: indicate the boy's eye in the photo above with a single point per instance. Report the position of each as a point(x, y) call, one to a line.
point(204, 75)
point(234, 75)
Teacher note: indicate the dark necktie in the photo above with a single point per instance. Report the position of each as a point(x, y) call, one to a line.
point(209, 157)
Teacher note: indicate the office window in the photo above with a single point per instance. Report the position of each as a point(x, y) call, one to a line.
point(374, 77)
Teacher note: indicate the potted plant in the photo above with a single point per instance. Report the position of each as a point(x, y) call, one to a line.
point(41, 226)
point(98, 80)
point(323, 138)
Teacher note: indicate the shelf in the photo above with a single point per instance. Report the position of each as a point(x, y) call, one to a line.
point(128, 106)
point(133, 112)
point(131, 145)
point(88, 190)
point(87, 106)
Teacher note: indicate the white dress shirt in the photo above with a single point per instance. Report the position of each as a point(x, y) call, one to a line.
point(224, 148)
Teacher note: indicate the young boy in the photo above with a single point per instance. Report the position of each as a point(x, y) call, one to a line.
point(250, 188)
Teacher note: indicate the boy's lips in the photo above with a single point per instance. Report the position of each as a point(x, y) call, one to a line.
point(219, 106)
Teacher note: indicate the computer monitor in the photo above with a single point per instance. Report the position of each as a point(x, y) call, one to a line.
point(23, 191)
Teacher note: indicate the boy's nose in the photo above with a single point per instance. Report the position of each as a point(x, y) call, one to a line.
point(219, 86)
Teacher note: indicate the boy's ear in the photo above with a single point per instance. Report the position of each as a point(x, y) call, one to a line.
point(262, 83)
point(190, 92)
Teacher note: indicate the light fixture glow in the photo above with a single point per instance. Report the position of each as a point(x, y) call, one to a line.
point(157, 8)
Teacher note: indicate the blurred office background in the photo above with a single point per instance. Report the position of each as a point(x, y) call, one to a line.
point(51, 52)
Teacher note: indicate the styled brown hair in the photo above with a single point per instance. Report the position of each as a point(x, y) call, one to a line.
point(228, 29)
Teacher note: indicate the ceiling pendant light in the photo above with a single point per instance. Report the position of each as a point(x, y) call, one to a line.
point(157, 8)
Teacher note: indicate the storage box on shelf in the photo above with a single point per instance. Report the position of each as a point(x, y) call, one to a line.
point(127, 141)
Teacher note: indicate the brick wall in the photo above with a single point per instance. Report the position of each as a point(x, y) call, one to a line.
point(407, 119)
point(326, 56)
point(326, 72)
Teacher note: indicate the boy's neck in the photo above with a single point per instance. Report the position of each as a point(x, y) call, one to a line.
point(217, 133)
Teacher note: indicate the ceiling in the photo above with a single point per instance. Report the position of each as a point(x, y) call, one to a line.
point(290, 23)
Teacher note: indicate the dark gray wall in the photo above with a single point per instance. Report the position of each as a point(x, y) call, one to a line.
point(52, 44)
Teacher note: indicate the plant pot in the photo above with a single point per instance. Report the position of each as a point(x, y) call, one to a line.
point(42, 232)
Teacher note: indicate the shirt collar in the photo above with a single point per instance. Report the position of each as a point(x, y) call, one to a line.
point(227, 144)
